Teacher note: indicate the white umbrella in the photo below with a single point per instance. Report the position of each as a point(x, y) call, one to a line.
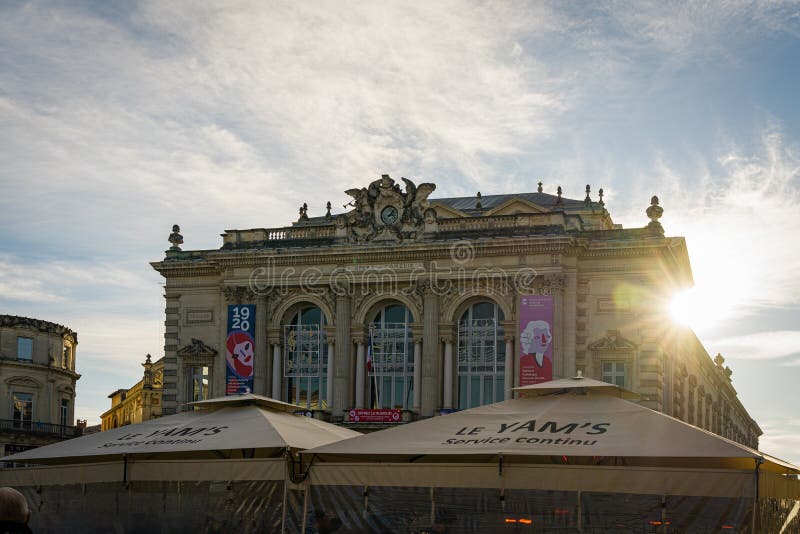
point(223, 427)
point(566, 425)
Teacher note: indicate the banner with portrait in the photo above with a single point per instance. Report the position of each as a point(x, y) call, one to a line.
point(535, 335)
point(240, 349)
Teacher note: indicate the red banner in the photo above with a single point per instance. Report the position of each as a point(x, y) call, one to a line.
point(375, 416)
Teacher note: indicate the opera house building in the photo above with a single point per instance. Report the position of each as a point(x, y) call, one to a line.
point(408, 306)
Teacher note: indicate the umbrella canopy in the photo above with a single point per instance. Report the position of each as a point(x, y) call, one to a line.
point(576, 383)
point(568, 426)
point(225, 424)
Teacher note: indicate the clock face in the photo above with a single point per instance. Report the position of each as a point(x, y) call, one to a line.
point(389, 215)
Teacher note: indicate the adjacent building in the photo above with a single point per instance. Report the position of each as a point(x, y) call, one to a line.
point(407, 306)
point(37, 383)
point(140, 403)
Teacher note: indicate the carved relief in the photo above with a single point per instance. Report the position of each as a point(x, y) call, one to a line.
point(238, 294)
point(551, 284)
point(612, 342)
point(383, 212)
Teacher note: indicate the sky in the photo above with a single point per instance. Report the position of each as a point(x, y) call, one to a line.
point(119, 119)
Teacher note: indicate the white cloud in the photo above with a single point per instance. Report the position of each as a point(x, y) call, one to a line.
point(735, 214)
point(118, 125)
point(781, 438)
point(684, 31)
point(759, 346)
point(65, 282)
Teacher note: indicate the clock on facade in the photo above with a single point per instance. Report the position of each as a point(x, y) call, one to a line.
point(389, 215)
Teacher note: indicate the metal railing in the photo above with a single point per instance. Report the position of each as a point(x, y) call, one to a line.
point(34, 427)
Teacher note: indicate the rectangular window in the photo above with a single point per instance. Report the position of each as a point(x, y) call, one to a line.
point(65, 358)
point(392, 376)
point(481, 362)
point(305, 362)
point(24, 348)
point(198, 383)
point(614, 373)
point(23, 410)
point(65, 412)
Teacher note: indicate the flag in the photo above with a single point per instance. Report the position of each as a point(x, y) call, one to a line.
point(369, 352)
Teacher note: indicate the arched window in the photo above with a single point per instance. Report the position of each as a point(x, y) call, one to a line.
point(481, 356)
point(391, 380)
point(305, 361)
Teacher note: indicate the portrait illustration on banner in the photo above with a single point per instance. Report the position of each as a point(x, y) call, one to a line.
point(536, 339)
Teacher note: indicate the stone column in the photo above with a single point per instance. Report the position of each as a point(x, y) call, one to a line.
point(360, 369)
point(554, 286)
point(430, 385)
point(508, 379)
point(262, 351)
point(51, 405)
point(329, 376)
point(277, 372)
point(341, 362)
point(417, 374)
point(448, 373)
point(569, 313)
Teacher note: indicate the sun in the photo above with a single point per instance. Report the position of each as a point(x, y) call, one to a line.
point(687, 309)
point(712, 301)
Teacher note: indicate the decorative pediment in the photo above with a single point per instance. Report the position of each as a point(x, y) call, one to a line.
point(446, 212)
point(613, 342)
point(516, 205)
point(384, 212)
point(23, 381)
point(196, 350)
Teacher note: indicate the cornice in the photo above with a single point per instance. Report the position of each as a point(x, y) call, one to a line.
point(47, 327)
point(220, 260)
point(215, 262)
point(40, 367)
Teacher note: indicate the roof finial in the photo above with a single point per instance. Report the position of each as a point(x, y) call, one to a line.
point(655, 212)
point(328, 207)
point(540, 187)
point(478, 205)
point(559, 201)
point(600, 192)
point(587, 200)
point(175, 238)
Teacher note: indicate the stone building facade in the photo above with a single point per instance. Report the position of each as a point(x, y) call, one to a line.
point(140, 403)
point(430, 292)
point(37, 383)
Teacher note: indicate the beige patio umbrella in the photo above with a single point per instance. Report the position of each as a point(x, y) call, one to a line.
point(242, 427)
point(567, 434)
point(242, 438)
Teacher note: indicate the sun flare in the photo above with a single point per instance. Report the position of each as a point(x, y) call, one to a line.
point(686, 309)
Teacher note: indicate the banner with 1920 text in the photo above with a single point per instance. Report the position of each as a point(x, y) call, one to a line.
point(240, 349)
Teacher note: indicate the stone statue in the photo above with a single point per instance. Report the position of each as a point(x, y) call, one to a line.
point(175, 238)
point(654, 212)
